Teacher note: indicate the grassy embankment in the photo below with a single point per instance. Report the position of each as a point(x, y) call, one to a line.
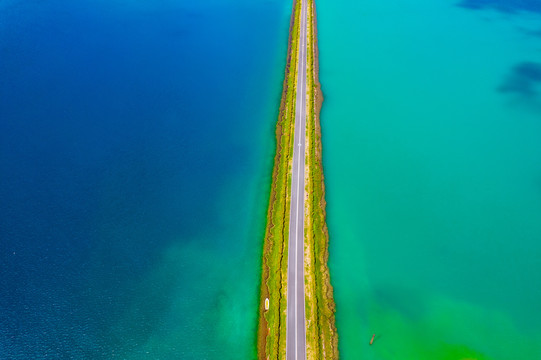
point(321, 332)
point(321, 335)
point(272, 323)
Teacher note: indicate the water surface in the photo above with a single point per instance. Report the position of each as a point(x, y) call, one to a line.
point(431, 135)
point(136, 146)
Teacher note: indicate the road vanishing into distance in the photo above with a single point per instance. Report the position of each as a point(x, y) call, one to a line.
point(296, 319)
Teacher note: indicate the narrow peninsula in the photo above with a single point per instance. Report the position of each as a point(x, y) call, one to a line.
point(321, 335)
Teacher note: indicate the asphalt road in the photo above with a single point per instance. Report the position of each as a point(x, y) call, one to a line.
point(296, 319)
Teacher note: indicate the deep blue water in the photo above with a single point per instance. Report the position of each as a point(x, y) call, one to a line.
point(135, 152)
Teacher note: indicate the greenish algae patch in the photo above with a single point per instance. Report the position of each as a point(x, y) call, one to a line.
point(441, 329)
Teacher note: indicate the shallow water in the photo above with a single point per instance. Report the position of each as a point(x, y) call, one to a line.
point(431, 135)
point(136, 146)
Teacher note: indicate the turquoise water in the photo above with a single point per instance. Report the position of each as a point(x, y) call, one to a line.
point(432, 152)
point(136, 149)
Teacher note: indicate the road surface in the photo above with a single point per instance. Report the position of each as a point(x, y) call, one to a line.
point(296, 319)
